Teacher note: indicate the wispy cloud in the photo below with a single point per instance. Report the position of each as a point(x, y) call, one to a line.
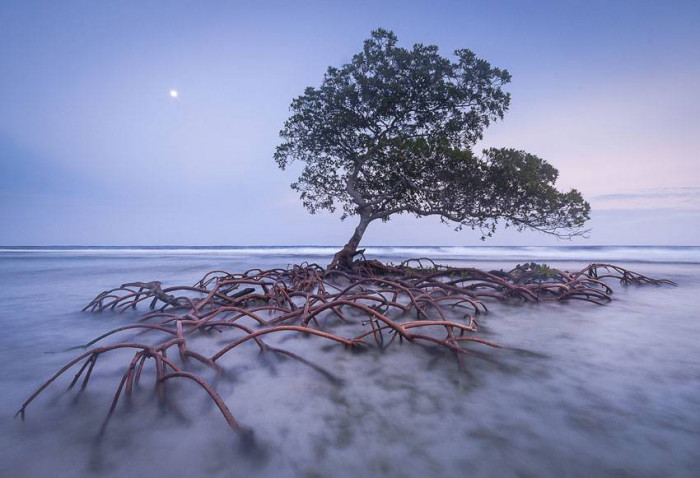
point(682, 198)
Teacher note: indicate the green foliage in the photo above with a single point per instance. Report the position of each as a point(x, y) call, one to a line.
point(392, 132)
point(534, 271)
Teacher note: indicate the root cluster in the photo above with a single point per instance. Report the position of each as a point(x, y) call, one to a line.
point(417, 302)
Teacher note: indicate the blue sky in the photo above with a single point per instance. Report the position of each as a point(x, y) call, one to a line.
point(93, 150)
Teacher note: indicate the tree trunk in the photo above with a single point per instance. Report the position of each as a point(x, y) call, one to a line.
point(343, 258)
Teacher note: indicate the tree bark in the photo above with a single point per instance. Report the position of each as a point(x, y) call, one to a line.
point(343, 259)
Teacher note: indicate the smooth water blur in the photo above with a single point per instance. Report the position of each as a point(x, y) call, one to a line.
point(578, 390)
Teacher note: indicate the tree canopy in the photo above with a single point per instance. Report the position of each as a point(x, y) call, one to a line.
point(392, 132)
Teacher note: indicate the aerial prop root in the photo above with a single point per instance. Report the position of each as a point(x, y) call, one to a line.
point(411, 302)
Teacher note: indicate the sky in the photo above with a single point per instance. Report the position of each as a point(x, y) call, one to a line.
point(95, 151)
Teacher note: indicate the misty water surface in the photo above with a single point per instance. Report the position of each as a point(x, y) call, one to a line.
point(577, 390)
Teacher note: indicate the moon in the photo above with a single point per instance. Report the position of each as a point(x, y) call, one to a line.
point(173, 93)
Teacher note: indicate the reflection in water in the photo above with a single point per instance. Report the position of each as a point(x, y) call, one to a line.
point(578, 390)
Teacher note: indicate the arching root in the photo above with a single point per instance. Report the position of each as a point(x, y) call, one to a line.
point(412, 301)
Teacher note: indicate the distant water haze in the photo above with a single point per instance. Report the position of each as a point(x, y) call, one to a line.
point(627, 254)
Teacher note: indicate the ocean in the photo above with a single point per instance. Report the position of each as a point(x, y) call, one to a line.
point(577, 389)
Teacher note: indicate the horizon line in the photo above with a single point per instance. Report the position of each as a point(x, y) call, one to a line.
point(329, 246)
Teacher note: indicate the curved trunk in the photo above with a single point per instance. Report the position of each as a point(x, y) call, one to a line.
point(343, 258)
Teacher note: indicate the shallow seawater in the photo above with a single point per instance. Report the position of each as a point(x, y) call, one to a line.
point(577, 390)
